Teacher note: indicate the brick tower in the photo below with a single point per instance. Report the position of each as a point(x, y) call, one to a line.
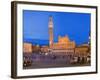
point(50, 31)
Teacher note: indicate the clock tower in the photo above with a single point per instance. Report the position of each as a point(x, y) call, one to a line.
point(50, 31)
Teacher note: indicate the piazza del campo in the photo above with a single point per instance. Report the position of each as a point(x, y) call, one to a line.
point(64, 53)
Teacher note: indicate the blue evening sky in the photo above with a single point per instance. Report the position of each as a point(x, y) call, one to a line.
point(75, 25)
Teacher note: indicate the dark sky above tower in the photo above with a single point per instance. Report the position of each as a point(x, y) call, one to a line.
point(75, 25)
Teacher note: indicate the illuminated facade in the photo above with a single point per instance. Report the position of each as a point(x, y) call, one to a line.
point(27, 48)
point(82, 50)
point(35, 48)
point(64, 43)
